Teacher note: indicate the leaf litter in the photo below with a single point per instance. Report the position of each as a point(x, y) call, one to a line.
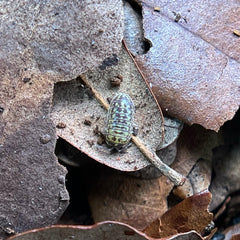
point(181, 163)
point(105, 230)
point(37, 46)
point(193, 79)
point(71, 99)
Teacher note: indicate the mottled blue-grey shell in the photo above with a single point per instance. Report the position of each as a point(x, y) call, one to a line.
point(120, 117)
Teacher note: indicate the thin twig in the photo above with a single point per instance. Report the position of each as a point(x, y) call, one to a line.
point(145, 80)
point(174, 176)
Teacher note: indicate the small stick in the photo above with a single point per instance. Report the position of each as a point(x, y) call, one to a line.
point(174, 176)
point(145, 80)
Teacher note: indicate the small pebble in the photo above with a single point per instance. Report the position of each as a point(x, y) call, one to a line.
point(45, 138)
point(236, 33)
point(25, 80)
point(61, 179)
point(87, 122)
point(64, 196)
point(61, 125)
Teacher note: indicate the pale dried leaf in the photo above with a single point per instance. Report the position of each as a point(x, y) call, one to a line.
point(85, 118)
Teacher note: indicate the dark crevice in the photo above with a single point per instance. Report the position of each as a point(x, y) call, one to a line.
point(173, 200)
point(78, 211)
point(231, 215)
point(77, 182)
point(231, 130)
point(135, 5)
point(133, 32)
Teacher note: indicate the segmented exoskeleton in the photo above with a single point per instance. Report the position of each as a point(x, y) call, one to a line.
point(120, 122)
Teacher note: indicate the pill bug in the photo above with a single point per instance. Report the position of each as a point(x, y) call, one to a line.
point(120, 122)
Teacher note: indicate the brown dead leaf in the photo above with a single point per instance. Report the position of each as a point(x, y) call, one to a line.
point(194, 143)
point(42, 43)
point(233, 232)
point(191, 214)
point(67, 38)
point(192, 79)
point(226, 164)
point(74, 104)
point(32, 183)
point(198, 180)
point(210, 21)
point(104, 230)
point(116, 196)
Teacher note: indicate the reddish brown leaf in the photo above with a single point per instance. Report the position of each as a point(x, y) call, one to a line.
point(192, 79)
point(233, 232)
point(195, 17)
point(191, 214)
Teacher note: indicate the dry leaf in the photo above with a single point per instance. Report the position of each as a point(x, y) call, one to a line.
point(85, 118)
point(119, 197)
point(67, 38)
point(194, 143)
point(32, 183)
point(190, 214)
point(192, 80)
point(233, 232)
point(196, 18)
point(41, 43)
point(199, 180)
point(104, 230)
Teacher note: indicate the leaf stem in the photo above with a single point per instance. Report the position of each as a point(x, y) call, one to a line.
point(174, 176)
